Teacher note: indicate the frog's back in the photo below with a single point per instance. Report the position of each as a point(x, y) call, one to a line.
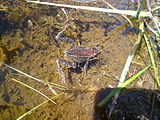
point(81, 54)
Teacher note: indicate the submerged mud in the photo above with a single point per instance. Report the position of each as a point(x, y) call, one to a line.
point(25, 44)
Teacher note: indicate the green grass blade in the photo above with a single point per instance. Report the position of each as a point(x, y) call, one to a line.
point(131, 56)
point(139, 8)
point(122, 85)
point(152, 60)
point(157, 8)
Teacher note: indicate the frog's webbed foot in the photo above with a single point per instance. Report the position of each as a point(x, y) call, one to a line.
point(66, 63)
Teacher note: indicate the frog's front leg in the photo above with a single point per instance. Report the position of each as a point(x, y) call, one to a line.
point(66, 63)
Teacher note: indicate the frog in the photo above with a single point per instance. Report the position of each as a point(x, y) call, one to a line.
point(77, 54)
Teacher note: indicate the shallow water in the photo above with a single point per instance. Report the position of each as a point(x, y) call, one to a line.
point(25, 45)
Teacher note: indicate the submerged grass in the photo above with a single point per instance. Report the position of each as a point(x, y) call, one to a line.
point(36, 79)
point(36, 107)
point(33, 90)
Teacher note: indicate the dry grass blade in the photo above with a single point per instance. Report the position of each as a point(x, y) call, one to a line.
point(59, 87)
point(23, 73)
point(125, 12)
point(33, 89)
point(116, 9)
point(130, 57)
point(30, 111)
point(151, 29)
point(155, 68)
point(27, 75)
point(126, 67)
point(52, 90)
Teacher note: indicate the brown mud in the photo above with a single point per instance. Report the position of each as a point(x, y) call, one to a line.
point(25, 45)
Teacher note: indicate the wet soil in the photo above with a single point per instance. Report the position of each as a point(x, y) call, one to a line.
point(25, 45)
